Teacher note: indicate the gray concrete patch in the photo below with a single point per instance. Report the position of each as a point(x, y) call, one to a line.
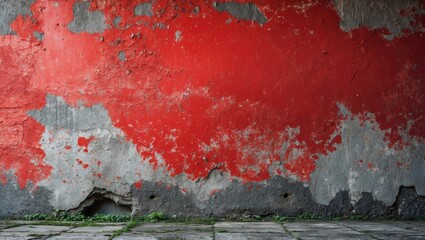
point(379, 14)
point(15, 202)
point(143, 9)
point(10, 10)
point(86, 20)
point(241, 11)
point(364, 162)
point(39, 36)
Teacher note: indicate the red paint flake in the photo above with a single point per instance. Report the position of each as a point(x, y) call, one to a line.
point(67, 147)
point(99, 175)
point(99, 163)
point(84, 142)
point(138, 184)
point(85, 165)
point(370, 165)
point(183, 190)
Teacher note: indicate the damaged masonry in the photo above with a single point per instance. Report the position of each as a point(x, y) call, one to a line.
point(225, 108)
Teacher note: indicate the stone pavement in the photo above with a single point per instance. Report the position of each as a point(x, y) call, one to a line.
point(12, 230)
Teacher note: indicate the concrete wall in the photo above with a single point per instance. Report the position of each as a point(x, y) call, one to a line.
point(213, 108)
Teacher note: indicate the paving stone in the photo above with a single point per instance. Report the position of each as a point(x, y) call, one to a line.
point(252, 236)
point(409, 225)
point(31, 232)
point(322, 230)
point(171, 227)
point(45, 229)
point(248, 227)
point(80, 236)
point(167, 235)
point(375, 227)
point(96, 229)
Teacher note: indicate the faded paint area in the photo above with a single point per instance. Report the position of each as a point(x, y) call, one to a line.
point(214, 102)
point(398, 17)
point(365, 162)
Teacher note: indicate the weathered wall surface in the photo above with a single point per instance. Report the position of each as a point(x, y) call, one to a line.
point(213, 108)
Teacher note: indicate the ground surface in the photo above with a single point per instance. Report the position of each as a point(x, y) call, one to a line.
point(221, 230)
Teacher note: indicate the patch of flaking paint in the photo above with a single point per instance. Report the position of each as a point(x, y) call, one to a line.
point(394, 15)
point(143, 9)
point(241, 11)
point(86, 20)
point(71, 182)
point(364, 162)
point(178, 36)
point(10, 10)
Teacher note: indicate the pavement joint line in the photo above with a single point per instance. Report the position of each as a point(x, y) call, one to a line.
point(289, 232)
point(359, 231)
point(213, 230)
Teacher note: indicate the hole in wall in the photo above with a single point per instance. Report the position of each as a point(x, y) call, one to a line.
point(286, 195)
point(152, 196)
point(106, 206)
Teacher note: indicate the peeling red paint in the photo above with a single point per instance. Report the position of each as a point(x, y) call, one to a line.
point(234, 87)
point(84, 142)
point(138, 184)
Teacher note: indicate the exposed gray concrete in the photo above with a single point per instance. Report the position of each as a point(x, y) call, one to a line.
point(16, 202)
point(364, 162)
point(380, 14)
point(178, 36)
point(86, 20)
point(242, 11)
point(39, 36)
point(143, 9)
point(10, 10)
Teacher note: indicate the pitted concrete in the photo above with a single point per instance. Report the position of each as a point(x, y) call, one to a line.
point(10, 10)
point(86, 20)
point(394, 15)
point(242, 11)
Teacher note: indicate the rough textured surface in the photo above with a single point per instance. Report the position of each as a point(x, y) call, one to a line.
point(394, 15)
point(241, 11)
point(10, 10)
point(143, 9)
point(86, 20)
point(364, 162)
point(16, 202)
point(228, 108)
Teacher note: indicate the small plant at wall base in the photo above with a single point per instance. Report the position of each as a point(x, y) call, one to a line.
point(156, 217)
